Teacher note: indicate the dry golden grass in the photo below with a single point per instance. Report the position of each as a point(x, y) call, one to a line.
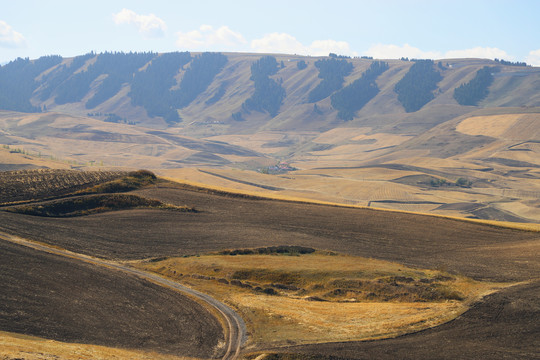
point(507, 126)
point(494, 125)
point(338, 135)
point(280, 321)
point(192, 177)
point(16, 346)
point(299, 315)
point(9, 158)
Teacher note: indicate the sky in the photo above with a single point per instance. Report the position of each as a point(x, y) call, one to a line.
point(435, 29)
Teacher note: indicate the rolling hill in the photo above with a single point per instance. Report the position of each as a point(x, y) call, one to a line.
point(379, 133)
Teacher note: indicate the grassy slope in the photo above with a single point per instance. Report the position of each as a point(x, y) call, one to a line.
point(17, 346)
point(352, 288)
point(350, 187)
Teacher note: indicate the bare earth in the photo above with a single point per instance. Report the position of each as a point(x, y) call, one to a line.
point(480, 251)
point(58, 298)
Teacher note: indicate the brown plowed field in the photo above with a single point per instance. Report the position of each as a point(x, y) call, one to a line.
point(58, 298)
point(471, 249)
point(476, 250)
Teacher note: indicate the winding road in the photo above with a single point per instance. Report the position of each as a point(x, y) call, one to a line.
point(236, 327)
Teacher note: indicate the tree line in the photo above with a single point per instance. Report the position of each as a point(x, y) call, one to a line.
point(332, 71)
point(269, 94)
point(353, 97)
point(475, 90)
point(415, 89)
point(17, 82)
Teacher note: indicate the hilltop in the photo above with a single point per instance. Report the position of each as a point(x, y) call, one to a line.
point(226, 89)
point(454, 137)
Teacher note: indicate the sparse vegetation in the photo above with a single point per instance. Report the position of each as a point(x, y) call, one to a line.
point(436, 182)
point(463, 182)
point(217, 95)
point(25, 185)
point(92, 204)
point(300, 292)
point(283, 250)
point(131, 181)
point(300, 278)
point(90, 192)
point(510, 63)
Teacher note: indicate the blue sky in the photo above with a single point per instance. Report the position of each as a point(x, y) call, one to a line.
point(383, 29)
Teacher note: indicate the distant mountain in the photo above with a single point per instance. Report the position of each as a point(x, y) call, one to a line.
point(229, 92)
point(457, 137)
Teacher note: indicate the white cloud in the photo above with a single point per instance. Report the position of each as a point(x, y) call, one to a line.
point(278, 43)
point(10, 38)
point(207, 36)
point(533, 58)
point(325, 47)
point(479, 52)
point(148, 25)
point(390, 51)
point(287, 44)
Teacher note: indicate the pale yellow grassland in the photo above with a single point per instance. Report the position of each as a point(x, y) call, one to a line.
point(283, 321)
point(374, 173)
point(494, 125)
point(15, 158)
point(292, 319)
point(407, 207)
point(232, 187)
point(436, 163)
point(338, 135)
point(526, 156)
point(383, 139)
point(254, 142)
point(526, 209)
point(16, 346)
point(348, 150)
point(526, 128)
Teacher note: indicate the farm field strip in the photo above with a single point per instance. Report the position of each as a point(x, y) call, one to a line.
point(336, 196)
point(235, 324)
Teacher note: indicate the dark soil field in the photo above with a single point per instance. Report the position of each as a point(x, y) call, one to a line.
point(476, 250)
point(229, 222)
point(62, 299)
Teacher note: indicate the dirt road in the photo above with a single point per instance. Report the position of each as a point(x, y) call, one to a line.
point(499, 327)
point(236, 327)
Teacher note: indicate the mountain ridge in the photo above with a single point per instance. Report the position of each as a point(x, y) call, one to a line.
point(232, 82)
point(446, 158)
